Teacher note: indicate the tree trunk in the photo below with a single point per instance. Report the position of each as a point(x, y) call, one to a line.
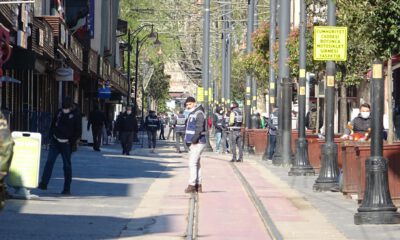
point(389, 87)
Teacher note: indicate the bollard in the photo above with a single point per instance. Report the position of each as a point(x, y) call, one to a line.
point(377, 206)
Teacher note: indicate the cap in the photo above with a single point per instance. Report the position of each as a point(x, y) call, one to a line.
point(190, 99)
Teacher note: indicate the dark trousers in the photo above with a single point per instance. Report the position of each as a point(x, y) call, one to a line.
point(161, 134)
point(271, 145)
point(126, 139)
point(180, 136)
point(97, 136)
point(55, 149)
point(151, 138)
point(236, 141)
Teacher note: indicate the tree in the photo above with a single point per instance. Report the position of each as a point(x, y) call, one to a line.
point(159, 86)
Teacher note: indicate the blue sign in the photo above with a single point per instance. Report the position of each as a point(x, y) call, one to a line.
point(104, 93)
point(91, 18)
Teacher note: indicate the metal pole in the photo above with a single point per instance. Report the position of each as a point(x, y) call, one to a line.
point(224, 57)
point(301, 164)
point(250, 22)
point(377, 206)
point(206, 65)
point(254, 96)
point(136, 73)
point(129, 69)
point(284, 29)
point(272, 79)
point(286, 120)
point(328, 178)
point(229, 54)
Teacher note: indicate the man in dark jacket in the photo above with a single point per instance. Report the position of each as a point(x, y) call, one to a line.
point(195, 136)
point(97, 119)
point(272, 125)
point(126, 125)
point(235, 125)
point(64, 132)
point(360, 124)
point(152, 124)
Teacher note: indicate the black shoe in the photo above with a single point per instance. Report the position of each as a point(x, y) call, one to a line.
point(233, 160)
point(66, 192)
point(123, 152)
point(239, 160)
point(97, 149)
point(127, 153)
point(42, 186)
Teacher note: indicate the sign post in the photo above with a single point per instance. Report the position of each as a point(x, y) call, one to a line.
point(330, 43)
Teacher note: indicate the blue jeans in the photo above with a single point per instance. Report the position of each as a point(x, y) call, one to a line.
point(218, 136)
point(271, 145)
point(57, 148)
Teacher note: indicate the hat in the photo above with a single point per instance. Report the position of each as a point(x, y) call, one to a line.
point(67, 102)
point(190, 99)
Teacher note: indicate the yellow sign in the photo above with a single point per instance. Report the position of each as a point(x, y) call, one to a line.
point(272, 100)
point(377, 71)
point(302, 91)
point(302, 73)
point(24, 169)
point(272, 85)
point(330, 81)
point(330, 43)
point(247, 89)
point(200, 94)
point(248, 102)
point(254, 98)
point(210, 94)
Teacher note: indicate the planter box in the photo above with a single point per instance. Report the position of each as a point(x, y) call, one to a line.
point(257, 139)
point(351, 168)
point(314, 151)
point(392, 154)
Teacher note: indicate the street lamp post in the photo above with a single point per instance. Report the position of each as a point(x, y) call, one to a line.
point(301, 164)
point(138, 44)
point(377, 206)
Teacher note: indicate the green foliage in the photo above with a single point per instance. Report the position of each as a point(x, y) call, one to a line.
point(159, 85)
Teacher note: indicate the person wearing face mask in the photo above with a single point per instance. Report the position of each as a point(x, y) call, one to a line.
point(97, 119)
point(64, 131)
point(127, 126)
point(218, 123)
point(360, 124)
point(152, 125)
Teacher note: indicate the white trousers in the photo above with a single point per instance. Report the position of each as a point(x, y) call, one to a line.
point(194, 163)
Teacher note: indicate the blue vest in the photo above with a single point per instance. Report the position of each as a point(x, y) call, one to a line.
point(180, 125)
point(191, 128)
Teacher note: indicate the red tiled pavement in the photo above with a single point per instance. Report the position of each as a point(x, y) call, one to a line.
point(225, 210)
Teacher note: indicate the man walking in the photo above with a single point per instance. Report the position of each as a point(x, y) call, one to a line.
point(272, 125)
point(171, 125)
point(225, 133)
point(195, 136)
point(64, 131)
point(235, 124)
point(162, 122)
point(126, 125)
point(218, 124)
point(97, 119)
point(152, 124)
point(180, 128)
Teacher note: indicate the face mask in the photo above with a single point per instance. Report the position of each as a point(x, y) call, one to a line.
point(66, 110)
point(220, 112)
point(365, 114)
point(128, 112)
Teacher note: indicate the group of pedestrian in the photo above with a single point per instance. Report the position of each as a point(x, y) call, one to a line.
point(228, 133)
